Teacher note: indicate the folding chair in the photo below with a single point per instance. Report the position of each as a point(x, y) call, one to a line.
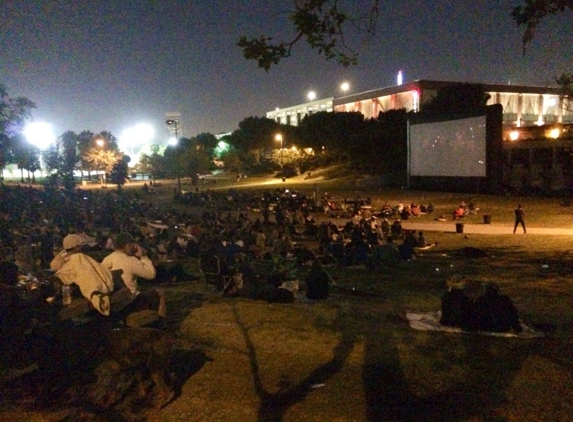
point(211, 269)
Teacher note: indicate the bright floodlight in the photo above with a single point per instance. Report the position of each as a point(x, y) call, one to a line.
point(39, 134)
point(345, 87)
point(311, 95)
point(142, 133)
point(172, 141)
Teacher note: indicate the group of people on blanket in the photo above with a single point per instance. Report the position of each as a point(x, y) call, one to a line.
point(490, 312)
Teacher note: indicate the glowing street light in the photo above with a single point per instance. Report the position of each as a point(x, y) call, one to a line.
point(311, 95)
point(100, 142)
point(279, 137)
point(344, 87)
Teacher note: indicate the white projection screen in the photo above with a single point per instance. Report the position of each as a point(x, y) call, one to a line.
point(452, 148)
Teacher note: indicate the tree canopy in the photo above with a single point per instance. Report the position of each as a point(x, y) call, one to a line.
point(322, 24)
point(13, 113)
point(533, 12)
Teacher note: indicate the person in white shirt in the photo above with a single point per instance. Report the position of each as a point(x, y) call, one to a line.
point(73, 267)
point(132, 260)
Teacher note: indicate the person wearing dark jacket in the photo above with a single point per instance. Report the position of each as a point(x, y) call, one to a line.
point(496, 312)
point(457, 310)
point(519, 218)
point(317, 282)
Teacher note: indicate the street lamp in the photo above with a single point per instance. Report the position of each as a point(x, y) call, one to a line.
point(173, 126)
point(100, 142)
point(344, 87)
point(311, 95)
point(279, 138)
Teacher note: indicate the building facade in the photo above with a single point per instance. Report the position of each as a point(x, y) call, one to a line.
point(522, 105)
point(293, 115)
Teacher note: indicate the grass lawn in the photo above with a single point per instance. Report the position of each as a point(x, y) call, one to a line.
point(354, 357)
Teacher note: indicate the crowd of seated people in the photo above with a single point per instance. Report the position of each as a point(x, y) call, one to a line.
point(228, 224)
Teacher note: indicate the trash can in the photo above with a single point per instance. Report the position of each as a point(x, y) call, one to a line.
point(487, 219)
point(459, 227)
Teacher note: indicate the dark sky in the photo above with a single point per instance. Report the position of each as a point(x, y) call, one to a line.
point(108, 65)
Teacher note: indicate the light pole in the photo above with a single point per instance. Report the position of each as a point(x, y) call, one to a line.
point(279, 137)
point(101, 144)
point(173, 125)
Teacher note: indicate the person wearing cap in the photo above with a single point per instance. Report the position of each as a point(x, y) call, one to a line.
point(132, 260)
point(74, 267)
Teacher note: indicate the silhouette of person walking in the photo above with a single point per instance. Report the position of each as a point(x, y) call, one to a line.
point(519, 218)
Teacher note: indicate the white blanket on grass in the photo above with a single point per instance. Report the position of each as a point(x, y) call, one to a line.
point(430, 321)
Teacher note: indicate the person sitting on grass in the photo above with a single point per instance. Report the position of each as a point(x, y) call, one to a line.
point(496, 312)
point(94, 280)
point(396, 229)
point(406, 249)
point(459, 213)
point(421, 240)
point(317, 282)
point(456, 309)
point(132, 260)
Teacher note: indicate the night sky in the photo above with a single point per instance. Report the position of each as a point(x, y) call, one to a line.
point(108, 65)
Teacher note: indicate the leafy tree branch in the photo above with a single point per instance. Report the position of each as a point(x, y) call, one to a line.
point(533, 12)
point(322, 24)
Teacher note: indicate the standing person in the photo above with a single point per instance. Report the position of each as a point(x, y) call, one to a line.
point(519, 218)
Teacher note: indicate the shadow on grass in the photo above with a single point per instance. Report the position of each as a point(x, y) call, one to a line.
point(478, 394)
point(185, 364)
point(274, 406)
point(490, 367)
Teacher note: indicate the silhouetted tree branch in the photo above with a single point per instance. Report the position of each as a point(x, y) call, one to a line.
point(322, 23)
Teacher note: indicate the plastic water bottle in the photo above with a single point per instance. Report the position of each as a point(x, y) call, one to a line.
point(66, 295)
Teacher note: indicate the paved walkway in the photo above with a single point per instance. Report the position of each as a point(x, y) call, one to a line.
point(470, 228)
point(477, 228)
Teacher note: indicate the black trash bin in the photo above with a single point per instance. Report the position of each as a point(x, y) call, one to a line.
point(487, 219)
point(459, 227)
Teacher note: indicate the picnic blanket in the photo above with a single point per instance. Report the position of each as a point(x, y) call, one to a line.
point(430, 321)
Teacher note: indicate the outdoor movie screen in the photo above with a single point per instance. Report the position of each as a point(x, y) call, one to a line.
point(452, 148)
